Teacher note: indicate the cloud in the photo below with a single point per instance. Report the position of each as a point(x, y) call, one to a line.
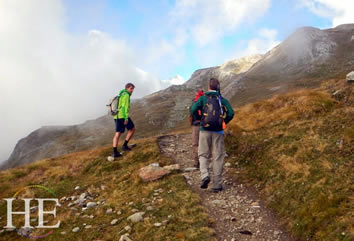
point(208, 20)
point(265, 41)
point(50, 76)
point(340, 12)
point(177, 80)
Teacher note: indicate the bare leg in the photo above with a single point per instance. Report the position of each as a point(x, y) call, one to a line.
point(116, 139)
point(130, 134)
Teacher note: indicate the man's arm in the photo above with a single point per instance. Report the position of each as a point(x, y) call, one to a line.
point(195, 107)
point(229, 111)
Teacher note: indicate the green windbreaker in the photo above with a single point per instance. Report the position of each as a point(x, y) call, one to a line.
point(123, 105)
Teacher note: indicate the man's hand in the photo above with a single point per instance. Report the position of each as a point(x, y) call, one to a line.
point(126, 122)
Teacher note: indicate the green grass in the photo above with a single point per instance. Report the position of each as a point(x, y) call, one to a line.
point(302, 163)
point(90, 170)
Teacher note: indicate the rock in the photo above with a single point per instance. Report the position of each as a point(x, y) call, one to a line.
point(88, 226)
point(82, 196)
point(109, 211)
point(24, 232)
point(152, 173)
point(154, 164)
point(75, 230)
point(136, 217)
point(91, 204)
point(227, 164)
point(63, 233)
point(190, 169)
point(149, 208)
point(103, 187)
point(125, 237)
point(175, 167)
point(127, 228)
point(157, 224)
point(77, 187)
point(114, 222)
point(350, 77)
point(134, 210)
point(110, 158)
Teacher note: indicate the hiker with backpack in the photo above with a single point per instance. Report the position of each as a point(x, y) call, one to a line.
point(216, 111)
point(122, 120)
point(195, 123)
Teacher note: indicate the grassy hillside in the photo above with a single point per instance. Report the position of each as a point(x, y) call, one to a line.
point(117, 184)
point(297, 149)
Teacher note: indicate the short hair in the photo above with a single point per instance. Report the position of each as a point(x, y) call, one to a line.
point(214, 84)
point(129, 85)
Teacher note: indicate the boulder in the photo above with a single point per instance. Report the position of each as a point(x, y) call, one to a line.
point(350, 77)
point(152, 173)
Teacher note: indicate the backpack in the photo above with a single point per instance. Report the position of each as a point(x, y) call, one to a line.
point(113, 106)
point(213, 114)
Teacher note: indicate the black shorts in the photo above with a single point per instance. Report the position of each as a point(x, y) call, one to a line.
point(120, 127)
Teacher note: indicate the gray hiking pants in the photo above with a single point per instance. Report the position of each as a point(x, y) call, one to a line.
point(211, 144)
point(195, 143)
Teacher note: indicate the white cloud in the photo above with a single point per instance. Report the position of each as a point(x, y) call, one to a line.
point(50, 76)
point(265, 41)
point(340, 12)
point(208, 20)
point(177, 80)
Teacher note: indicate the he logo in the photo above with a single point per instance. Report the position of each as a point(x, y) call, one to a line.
point(27, 211)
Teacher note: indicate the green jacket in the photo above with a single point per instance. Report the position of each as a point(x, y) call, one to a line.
point(123, 105)
point(201, 102)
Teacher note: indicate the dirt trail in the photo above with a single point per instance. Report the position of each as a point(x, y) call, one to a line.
point(237, 210)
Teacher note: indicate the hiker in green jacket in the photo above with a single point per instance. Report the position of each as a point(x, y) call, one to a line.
point(122, 119)
point(216, 113)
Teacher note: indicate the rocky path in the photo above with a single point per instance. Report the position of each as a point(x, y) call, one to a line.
point(237, 210)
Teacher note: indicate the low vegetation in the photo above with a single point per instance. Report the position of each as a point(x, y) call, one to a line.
point(297, 149)
point(121, 189)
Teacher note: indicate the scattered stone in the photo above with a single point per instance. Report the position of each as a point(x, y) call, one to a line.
point(149, 208)
point(77, 187)
point(190, 169)
point(127, 228)
point(110, 158)
point(136, 217)
point(227, 164)
point(88, 226)
point(175, 167)
point(24, 232)
point(350, 77)
point(157, 224)
point(91, 217)
point(125, 237)
point(119, 212)
point(109, 211)
point(63, 233)
point(155, 164)
point(75, 230)
point(152, 173)
point(91, 204)
point(135, 210)
point(103, 187)
point(165, 222)
point(114, 222)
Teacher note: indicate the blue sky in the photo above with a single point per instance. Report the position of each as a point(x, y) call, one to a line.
point(61, 55)
point(142, 22)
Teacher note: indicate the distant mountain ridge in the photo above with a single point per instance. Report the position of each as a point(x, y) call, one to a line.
point(303, 60)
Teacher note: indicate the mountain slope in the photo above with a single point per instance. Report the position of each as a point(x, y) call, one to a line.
point(305, 59)
point(297, 149)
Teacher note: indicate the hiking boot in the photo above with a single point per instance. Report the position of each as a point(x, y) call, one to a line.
point(205, 183)
point(218, 189)
point(117, 154)
point(126, 148)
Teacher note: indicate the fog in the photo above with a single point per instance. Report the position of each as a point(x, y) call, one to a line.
point(49, 76)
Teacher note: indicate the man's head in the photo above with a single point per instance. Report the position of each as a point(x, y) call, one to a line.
point(214, 84)
point(130, 87)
